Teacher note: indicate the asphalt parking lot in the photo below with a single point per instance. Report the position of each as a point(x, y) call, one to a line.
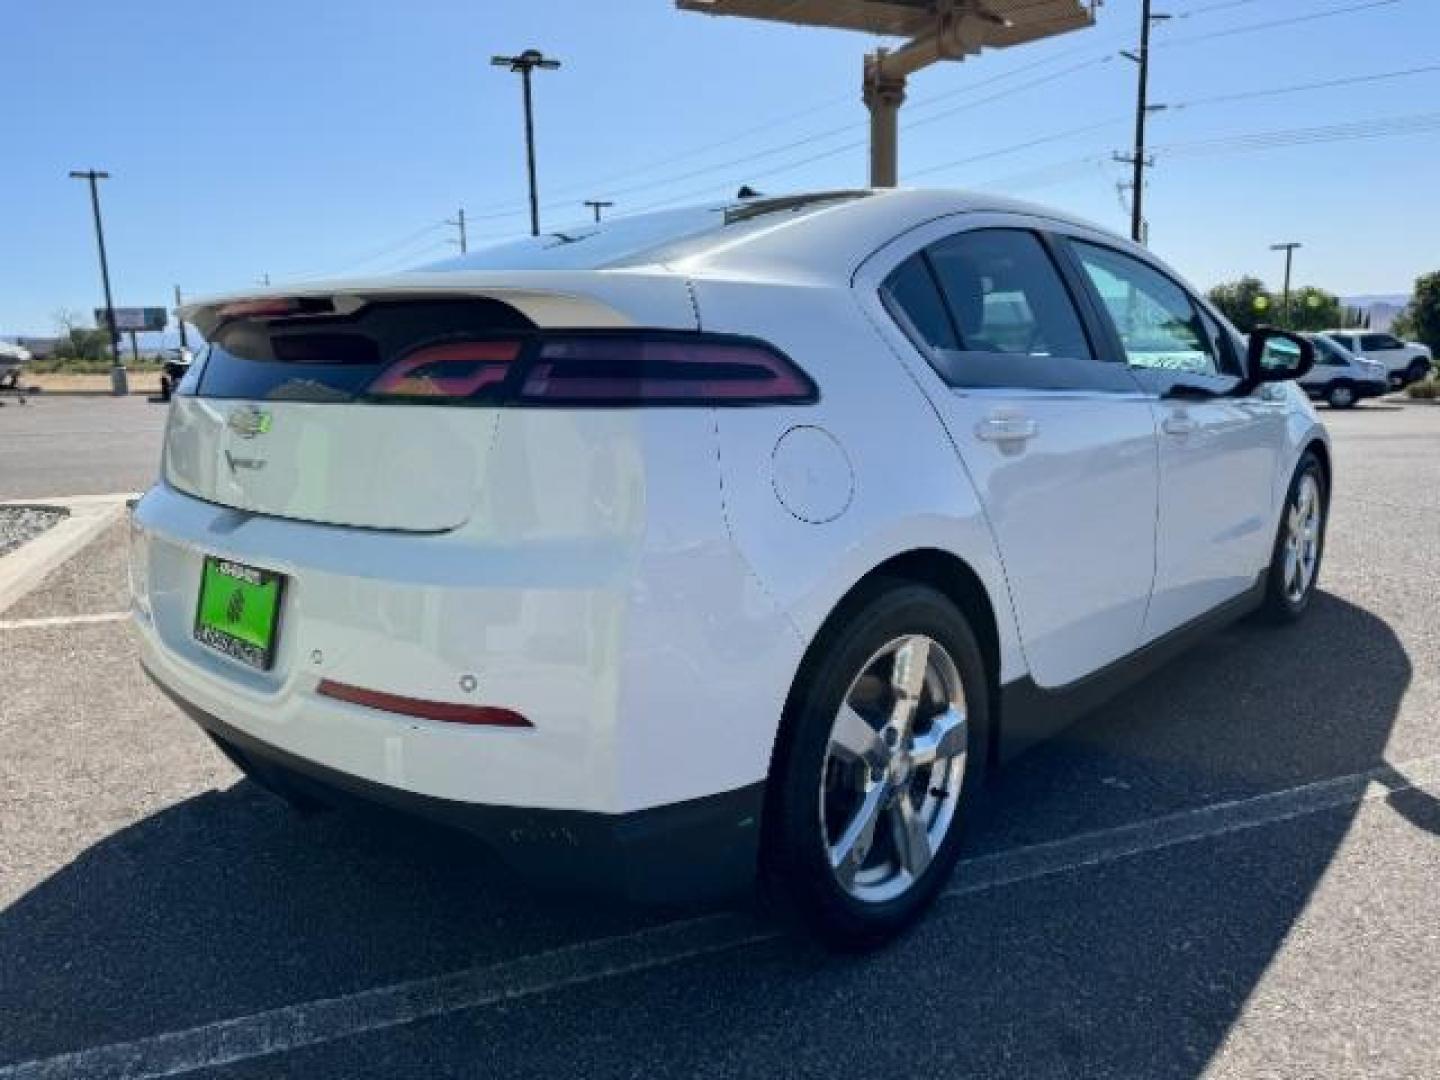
point(1230, 871)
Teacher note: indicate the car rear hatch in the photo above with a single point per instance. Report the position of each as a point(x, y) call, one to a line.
point(377, 405)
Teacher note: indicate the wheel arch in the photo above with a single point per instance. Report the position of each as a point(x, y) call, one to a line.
point(943, 571)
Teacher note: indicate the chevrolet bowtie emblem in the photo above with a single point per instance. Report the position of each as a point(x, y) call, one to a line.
point(247, 422)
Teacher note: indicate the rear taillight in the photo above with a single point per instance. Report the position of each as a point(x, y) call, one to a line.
point(456, 369)
point(597, 369)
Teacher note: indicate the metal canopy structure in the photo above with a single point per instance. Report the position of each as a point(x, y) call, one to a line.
point(935, 29)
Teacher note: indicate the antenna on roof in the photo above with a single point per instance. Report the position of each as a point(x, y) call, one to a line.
point(747, 192)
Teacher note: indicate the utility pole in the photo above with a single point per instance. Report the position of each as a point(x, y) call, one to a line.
point(119, 384)
point(459, 222)
point(1137, 159)
point(184, 344)
point(1289, 250)
point(525, 63)
point(597, 205)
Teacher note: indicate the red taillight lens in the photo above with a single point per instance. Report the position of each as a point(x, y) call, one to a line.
point(455, 369)
point(660, 369)
point(596, 369)
point(444, 711)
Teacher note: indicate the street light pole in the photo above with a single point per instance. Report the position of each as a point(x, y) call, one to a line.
point(184, 344)
point(1289, 250)
point(119, 384)
point(597, 205)
point(525, 63)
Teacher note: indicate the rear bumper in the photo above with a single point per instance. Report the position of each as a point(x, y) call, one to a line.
point(701, 849)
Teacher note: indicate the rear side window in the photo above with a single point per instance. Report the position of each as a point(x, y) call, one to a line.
point(1379, 342)
point(1005, 295)
point(912, 290)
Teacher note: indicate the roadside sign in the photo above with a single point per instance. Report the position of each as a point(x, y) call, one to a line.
point(134, 318)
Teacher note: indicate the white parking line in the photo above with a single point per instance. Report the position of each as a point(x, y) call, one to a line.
point(63, 620)
point(309, 1023)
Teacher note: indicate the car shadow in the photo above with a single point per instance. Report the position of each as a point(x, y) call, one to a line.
point(226, 903)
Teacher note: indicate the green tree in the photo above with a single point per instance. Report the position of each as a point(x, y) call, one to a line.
point(79, 342)
point(1246, 303)
point(1312, 309)
point(1424, 312)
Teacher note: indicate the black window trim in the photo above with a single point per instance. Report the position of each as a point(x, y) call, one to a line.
point(968, 370)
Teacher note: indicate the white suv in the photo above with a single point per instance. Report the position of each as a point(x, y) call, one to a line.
point(748, 538)
point(1407, 362)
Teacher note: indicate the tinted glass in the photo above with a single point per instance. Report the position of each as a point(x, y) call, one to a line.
point(1005, 295)
point(911, 289)
point(1223, 338)
point(336, 358)
point(1328, 353)
point(1159, 325)
point(1379, 341)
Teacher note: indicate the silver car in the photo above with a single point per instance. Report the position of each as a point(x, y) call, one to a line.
point(1341, 378)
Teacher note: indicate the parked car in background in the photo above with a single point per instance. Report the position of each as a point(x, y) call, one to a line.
point(13, 359)
point(1341, 378)
point(177, 366)
point(736, 540)
point(1406, 362)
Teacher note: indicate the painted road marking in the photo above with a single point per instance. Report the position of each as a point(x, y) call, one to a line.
point(64, 620)
point(292, 1027)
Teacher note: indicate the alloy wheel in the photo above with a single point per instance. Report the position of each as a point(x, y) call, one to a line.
point(1302, 539)
point(894, 768)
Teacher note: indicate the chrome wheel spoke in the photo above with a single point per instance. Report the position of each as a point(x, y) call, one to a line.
point(854, 739)
point(897, 752)
point(947, 737)
point(907, 680)
point(851, 850)
point(912, 839)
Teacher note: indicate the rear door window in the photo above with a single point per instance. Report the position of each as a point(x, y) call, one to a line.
point(1005, 295)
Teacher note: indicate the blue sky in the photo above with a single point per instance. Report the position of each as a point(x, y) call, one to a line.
point(301, 139)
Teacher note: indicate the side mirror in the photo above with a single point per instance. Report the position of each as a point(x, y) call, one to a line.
point(1277, 356)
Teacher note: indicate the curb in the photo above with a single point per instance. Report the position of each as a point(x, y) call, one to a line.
point(27, 566)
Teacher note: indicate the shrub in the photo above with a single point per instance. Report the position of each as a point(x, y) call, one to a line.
point(1429, 390)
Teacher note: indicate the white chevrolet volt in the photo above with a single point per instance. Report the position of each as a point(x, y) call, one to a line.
point(719, 544)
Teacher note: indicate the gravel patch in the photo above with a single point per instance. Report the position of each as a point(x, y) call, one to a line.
point(21, 523)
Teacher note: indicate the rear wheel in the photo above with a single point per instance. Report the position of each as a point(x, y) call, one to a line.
point(1341, 396)
point(1295, 563)
point(1417, 371)
point(882, 766)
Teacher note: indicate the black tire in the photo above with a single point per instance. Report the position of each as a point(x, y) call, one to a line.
point(796, 868)
point(1279, 605)
point(1341, 395)
point(1417, 372)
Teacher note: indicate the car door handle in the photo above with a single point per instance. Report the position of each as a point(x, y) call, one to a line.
point(1002, 429)
point(1179, 424)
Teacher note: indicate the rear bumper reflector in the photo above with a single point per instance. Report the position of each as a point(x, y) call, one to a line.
point(443, 711)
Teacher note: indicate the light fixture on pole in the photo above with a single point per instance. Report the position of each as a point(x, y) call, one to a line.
point(597, 205)
point(525, 63)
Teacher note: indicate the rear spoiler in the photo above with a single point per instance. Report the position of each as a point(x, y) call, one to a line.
point(553, 300)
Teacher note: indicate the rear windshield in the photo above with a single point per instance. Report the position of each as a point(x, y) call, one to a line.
point(335, 358)
point(644, 239)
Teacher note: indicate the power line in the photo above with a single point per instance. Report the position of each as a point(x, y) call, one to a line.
point(1354, 80)
point(1292, 20)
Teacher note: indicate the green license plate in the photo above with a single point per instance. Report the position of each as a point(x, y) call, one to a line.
point(239, 611)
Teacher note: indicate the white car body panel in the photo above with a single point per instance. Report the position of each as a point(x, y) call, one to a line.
point(644, 583)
